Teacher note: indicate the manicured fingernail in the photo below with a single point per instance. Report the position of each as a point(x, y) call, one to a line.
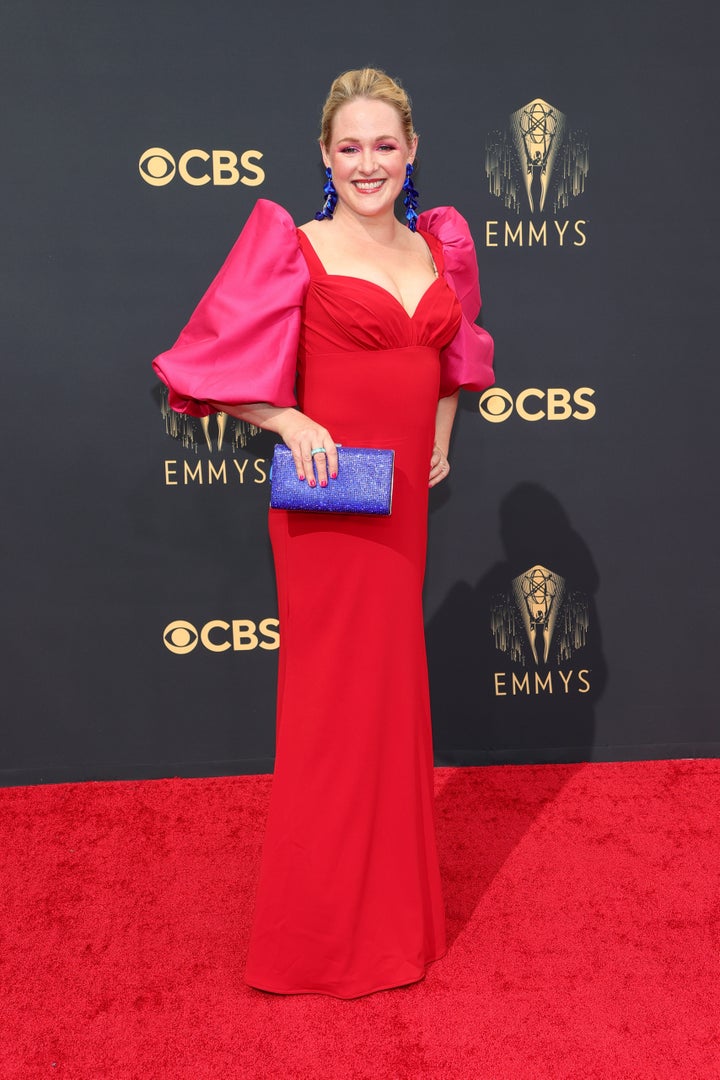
point(333, 476)
point(311, 483)
point(323, 483)
point(301, 477)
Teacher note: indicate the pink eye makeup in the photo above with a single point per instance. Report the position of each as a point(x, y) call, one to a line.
point(352, 147)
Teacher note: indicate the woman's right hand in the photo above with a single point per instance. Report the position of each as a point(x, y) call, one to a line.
point(302, 435)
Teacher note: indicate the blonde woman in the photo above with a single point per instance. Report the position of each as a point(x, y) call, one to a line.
point(355, 329)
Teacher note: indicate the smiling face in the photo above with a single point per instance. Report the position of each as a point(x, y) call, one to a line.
point(368, 154)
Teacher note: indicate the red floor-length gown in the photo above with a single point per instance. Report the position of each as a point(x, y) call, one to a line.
point(349, 899)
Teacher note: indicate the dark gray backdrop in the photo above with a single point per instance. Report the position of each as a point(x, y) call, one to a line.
point(101, 269)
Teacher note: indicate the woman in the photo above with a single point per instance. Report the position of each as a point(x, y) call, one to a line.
point(371, 324)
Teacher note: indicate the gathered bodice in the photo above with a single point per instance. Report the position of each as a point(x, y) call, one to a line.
point(341, 312)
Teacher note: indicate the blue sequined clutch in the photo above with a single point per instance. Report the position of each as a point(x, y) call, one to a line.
point(364, 483)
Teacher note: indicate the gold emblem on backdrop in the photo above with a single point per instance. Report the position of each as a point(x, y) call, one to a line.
point(538, 162)
point(536, 167)
point(222, 436)
point(540, 623)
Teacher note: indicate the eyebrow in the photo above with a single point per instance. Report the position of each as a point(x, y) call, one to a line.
point(376, 138)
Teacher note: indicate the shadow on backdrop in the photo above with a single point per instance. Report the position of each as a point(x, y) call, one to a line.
point(516, 661)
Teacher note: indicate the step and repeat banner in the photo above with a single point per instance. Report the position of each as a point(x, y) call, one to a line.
point(571, 592)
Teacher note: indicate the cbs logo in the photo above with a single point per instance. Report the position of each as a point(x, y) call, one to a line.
point(240, 635)
point(198, 167)
point(497, 405)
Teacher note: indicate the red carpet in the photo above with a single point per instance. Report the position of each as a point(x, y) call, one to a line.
point(583, 908)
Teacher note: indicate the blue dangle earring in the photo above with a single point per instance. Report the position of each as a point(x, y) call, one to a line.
point(411, 199)
point(330, 194)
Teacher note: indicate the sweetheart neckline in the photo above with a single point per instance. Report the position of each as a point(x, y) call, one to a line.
point(367, 281)
point(374, 284)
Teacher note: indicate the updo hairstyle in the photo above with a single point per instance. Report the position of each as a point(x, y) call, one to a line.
point(366, 83)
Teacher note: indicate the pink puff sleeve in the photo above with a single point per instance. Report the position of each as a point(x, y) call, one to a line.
point(467, 360)
point(240, 345)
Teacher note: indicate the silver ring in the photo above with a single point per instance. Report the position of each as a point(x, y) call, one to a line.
point(318, 450)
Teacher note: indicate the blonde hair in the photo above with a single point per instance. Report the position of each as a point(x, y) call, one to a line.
point(366, 83)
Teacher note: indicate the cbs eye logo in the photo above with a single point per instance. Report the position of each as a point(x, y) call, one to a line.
point(158, 167)
point(497, 405)
point(240, 635)
point(180, 637)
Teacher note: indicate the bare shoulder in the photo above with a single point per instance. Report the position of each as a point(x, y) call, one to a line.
point(311, 228)
point(414, 241)
point(323, 238)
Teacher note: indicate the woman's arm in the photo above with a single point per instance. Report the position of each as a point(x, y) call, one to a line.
point(297, 431)
point(444, 418)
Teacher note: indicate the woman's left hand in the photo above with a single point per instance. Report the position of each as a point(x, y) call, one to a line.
point(439, 466)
